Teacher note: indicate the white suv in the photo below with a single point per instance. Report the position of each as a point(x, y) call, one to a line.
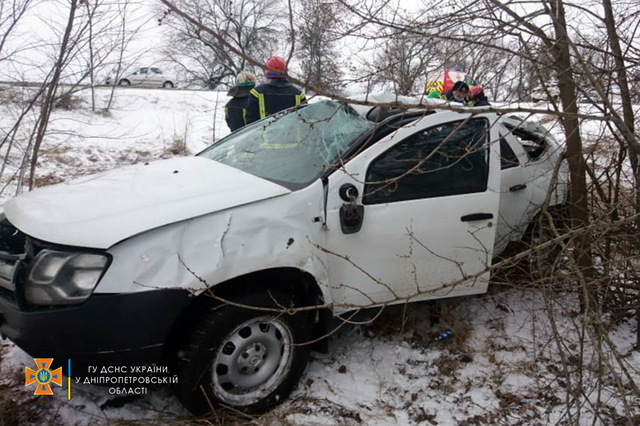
point(225, 266)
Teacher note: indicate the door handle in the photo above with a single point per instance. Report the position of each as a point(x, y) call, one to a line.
point(476, 216)
point(518, 187)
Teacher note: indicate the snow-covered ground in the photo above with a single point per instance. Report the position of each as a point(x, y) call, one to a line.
point(502, 364)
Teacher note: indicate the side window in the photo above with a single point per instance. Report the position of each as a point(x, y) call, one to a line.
point(156, 71)
point(531, 136)
point(508, 158)
point(532, 143)
point(444, 160)
point(143, 70)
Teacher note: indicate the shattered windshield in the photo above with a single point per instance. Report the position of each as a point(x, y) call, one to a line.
point(295, 148)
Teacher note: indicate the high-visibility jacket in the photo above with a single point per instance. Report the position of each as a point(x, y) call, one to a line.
point(235, 112)
point(274, 96)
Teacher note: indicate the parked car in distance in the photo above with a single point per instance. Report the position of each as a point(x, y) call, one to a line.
point(589, 97)
point(199, 263)
point(544, 94)
point(146, 76)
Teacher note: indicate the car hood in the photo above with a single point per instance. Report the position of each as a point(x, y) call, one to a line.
point(100, 210)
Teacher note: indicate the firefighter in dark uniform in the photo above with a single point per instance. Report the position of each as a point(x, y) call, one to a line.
point(235, 111)
point(275, 95)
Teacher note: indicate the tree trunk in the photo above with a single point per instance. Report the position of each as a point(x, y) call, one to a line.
point(575, 157)
point(627, 128)
point(49, 99)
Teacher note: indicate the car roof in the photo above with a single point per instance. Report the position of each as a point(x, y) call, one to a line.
point(393, 105)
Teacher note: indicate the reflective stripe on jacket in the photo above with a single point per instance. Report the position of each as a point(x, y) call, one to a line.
point(272, 97)
point(235, 112)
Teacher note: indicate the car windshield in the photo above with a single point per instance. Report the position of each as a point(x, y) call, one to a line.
point(294, 148)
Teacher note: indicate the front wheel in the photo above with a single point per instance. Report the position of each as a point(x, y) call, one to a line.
point(124, 82)
point(246, 359)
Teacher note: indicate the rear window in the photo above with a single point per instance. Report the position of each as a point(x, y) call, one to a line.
point(532, 136)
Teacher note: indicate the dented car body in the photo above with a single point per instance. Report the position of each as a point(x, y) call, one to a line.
point(329, 208)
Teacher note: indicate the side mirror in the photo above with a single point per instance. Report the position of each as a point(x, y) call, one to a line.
point(348, 192)
point(351, 214)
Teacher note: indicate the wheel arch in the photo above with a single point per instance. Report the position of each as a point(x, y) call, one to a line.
point(560, 214)
point(286, 279)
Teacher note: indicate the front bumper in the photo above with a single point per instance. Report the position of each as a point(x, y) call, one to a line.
point(106, 330)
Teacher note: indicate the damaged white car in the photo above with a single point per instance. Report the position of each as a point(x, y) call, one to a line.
point(199, 263)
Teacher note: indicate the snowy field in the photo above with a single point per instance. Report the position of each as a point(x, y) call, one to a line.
point(500, 366)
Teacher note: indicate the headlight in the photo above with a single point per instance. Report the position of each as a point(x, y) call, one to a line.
point(63, 278)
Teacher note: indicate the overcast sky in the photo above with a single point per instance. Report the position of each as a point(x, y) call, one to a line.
point(36, 38)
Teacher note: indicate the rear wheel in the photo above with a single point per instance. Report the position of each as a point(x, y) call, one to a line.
point(540, 235)
point(167, 85)
point(542, 252)
point(243, 358)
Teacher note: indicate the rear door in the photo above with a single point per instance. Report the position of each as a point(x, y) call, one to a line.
point(155, 77)
point(427, 198)
point(515, 191)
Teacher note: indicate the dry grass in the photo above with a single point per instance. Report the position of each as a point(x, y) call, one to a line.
point(177, 147)
point(69, 102)
point(15, 408)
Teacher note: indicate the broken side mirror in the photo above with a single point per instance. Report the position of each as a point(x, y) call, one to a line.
point(351, 213)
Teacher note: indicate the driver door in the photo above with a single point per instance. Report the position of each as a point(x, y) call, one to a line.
point(142, 76)
point(413, 217)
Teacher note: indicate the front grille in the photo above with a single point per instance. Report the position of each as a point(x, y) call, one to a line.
point(8, 267)
point(12, 241)
point(12, 254)
point(17, 254)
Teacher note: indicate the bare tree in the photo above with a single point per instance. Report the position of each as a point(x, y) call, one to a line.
point(11, 12)
point(404, 63)
point(250, 26)
point(10, 15)
point(50, 96)
point(72, 57)
point(317, 52)
point(118, 32)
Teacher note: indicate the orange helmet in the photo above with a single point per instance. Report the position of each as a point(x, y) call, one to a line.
point(275, 63)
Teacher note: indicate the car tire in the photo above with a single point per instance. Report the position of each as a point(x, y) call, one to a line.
point(245, 359)
point(124, 82)
point(167, 85)
point(540, 234)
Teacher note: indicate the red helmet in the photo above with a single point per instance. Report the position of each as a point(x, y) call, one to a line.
point(275, 63)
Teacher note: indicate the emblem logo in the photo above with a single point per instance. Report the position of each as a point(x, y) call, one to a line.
point(43, 376)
